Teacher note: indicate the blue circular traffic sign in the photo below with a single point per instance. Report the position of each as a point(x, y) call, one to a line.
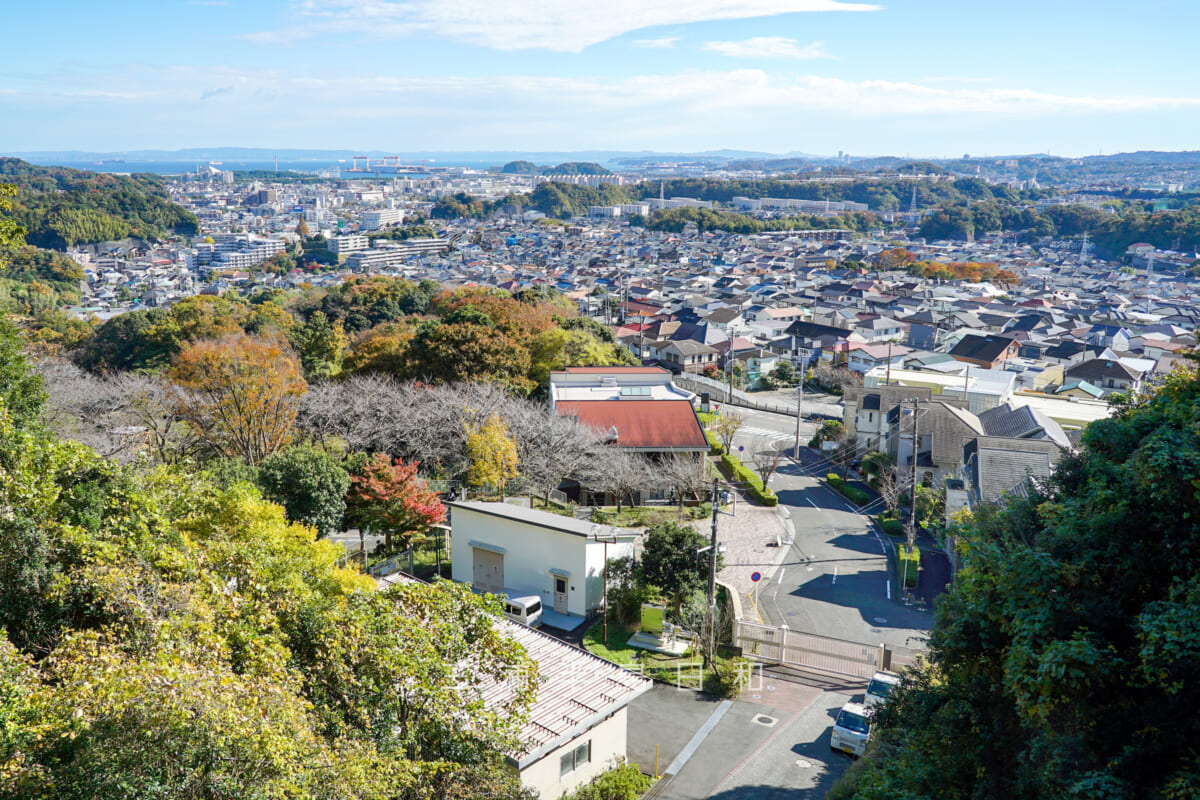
point(741, 448)
point(756, 577)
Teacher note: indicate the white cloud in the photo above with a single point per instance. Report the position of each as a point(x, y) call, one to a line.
point(714, 108)
point(565, 26)
point(665, 43)
point(768, 47)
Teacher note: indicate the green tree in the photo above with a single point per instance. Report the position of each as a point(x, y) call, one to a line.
point(784, 373)
point(11, 232)
point(671, 561)
point(1069, 642)
point(310, 485)
point(20, 389)
point(320, 345)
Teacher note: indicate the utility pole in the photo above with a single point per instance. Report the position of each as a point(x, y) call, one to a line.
point(712, 576)
point(607, 540)
point(799, 413)
point(912, 508)
point(712, 556)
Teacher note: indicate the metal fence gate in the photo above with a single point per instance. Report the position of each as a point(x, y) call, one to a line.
point(782, 646)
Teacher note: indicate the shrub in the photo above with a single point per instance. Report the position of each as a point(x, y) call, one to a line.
point(739, 472)
point(851, 493)
point(622, 782)
point(714, 447)
point(892, 527)
point(734, 677)
point(913, 557)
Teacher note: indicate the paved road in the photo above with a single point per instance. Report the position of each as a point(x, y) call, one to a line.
point(773, 742)
point(835, 580)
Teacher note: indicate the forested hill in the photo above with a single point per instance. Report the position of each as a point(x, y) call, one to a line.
point(60, 207)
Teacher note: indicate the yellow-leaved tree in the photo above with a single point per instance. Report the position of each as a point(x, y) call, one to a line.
point(492, 452)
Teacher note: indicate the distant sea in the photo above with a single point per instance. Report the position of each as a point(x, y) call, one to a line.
point(180, 167)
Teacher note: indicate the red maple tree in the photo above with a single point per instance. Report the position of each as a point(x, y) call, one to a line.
point(390, 497)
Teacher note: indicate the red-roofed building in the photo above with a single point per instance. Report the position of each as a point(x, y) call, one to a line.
point(641, 425)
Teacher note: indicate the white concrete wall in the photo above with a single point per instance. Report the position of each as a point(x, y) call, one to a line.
point(530, 553)
point(608, 744)
point(595, 569)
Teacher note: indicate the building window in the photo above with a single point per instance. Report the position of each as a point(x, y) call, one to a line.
point(576, 759)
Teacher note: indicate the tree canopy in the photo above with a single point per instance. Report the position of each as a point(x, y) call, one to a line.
point(169, 638)
point(1065, 659)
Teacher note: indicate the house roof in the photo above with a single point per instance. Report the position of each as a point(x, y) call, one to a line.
point(531, 516)
point(617, 371)
point(981, 348)
point(576, 690)
point(647, 425)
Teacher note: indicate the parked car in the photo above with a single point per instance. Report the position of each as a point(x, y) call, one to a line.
point(851, 729)
point(880, 687)
point(524, 609)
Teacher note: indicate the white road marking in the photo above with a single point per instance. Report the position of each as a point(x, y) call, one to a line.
point(889, 584)
point(835, 574)
point(814, 505)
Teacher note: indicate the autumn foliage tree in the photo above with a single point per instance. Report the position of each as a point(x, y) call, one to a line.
point(239, 394)
point(392, 498)
point(492, 451)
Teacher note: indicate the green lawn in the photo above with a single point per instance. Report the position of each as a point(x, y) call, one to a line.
point(645, 516)
point(686, 671)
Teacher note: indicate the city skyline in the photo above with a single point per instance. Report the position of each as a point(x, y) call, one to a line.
point(920, 78)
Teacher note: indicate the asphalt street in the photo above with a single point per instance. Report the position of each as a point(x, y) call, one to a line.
point(835, 579)
point(772, 742)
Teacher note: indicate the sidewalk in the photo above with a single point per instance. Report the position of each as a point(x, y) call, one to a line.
point(749, 540)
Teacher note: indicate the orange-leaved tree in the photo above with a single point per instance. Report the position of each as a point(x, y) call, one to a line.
point(390, 497)
point(239, 394)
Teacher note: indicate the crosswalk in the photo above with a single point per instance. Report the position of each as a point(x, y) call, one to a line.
point(748, 432)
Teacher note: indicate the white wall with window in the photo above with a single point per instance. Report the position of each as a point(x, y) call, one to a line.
point(578, 761)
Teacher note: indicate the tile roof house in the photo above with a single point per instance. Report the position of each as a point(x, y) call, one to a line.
point(985, 351)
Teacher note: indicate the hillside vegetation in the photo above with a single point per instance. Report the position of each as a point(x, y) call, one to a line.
point(61, 207)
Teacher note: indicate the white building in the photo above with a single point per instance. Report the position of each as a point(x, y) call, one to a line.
point(498, 547)
point(381, 217)
point(578, 723)
point(348, 244)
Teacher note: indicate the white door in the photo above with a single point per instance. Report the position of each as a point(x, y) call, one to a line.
point(560, 595)
point(489, 571)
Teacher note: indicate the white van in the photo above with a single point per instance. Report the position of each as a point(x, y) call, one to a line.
point(524, 609)
point(880, 687)
point(851, 729)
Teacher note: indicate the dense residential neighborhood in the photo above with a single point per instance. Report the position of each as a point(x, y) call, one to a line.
point(673, 500)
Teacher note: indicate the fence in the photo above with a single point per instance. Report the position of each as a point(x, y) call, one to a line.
point(792, 648)
point(721, 393)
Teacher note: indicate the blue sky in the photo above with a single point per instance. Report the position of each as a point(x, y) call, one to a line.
point(904, 77)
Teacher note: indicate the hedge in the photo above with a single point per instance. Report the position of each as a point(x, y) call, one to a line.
point(742, 474)
point(851, 493)
point(892, 527)
point(715, 448)
point(913, 557)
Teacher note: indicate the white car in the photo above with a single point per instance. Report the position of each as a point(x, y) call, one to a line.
point(851, 729)
point(880, 687)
